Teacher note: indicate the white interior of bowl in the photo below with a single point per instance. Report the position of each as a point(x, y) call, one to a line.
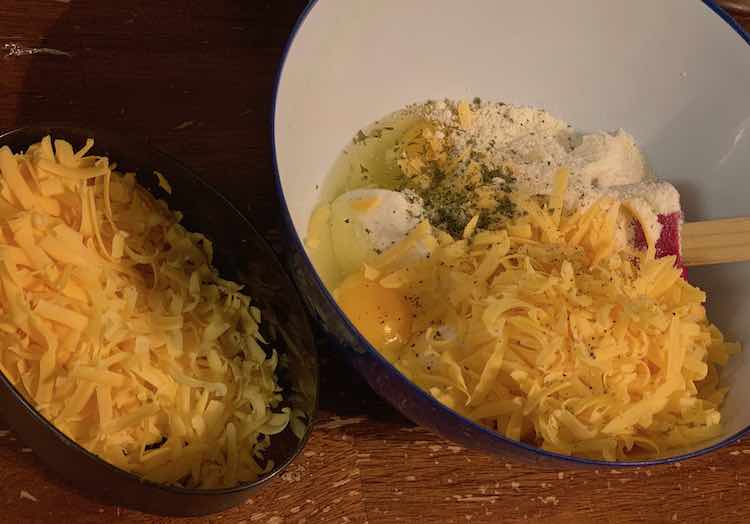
point(672, 73)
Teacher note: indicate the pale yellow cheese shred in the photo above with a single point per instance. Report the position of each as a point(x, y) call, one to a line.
point(115, 325)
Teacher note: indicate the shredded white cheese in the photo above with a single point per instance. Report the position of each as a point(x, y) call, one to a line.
point(116, 326)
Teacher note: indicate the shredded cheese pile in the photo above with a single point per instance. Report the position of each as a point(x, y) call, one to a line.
point(548, 333)
point(115, 325)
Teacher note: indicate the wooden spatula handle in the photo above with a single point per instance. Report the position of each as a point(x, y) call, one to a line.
point(716, 241)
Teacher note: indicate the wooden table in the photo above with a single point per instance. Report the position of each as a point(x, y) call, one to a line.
point(196, 78)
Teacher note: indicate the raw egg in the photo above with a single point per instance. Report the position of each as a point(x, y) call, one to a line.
point(382, 315)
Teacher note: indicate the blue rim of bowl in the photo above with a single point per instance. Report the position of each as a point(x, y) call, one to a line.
point(711, 4)
point(171, 488)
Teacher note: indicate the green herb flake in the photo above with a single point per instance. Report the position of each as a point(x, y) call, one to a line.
point(360, 137)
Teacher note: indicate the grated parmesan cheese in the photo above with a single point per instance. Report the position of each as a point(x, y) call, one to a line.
point(462, 158)
point(116, 326)
point(550, 332)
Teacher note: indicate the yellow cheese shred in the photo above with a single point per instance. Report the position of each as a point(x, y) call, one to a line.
point(552, 336)
point(116, 326)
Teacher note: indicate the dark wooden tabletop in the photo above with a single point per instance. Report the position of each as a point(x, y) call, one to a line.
point(196, 78)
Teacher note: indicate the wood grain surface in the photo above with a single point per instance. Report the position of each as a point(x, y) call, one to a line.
point(196, 79)
point(715, 241)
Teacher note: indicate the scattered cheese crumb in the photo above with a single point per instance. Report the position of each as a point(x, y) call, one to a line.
point(337, 422)
point(28, 496)
point(163, 182)
point(291, 476)
point(184, 125)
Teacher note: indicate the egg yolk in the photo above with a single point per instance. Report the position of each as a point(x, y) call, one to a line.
point(382, 315)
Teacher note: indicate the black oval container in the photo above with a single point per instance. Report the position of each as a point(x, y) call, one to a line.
point(240, 254)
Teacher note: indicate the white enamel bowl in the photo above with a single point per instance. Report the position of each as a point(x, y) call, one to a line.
point(675, 74)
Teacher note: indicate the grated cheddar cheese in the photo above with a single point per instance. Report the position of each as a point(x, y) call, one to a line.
point(117, 328)
point(548, 332)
